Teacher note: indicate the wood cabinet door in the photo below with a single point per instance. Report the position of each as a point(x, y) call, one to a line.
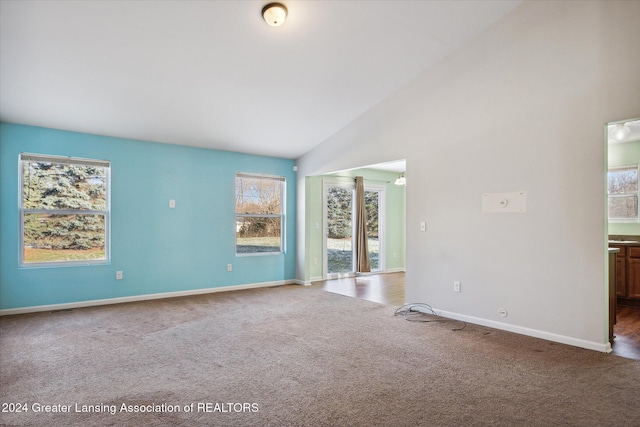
point(621, 277)
point(633, 288)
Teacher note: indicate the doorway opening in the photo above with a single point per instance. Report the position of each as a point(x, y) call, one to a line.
point(623, 233)
point(329, 214)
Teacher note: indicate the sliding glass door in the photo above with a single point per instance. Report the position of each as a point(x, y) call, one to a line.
point(338, 220)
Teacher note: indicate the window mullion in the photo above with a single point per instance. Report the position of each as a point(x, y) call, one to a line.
point(65, 211)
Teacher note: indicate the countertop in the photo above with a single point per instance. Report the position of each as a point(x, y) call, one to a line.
point(624, 240)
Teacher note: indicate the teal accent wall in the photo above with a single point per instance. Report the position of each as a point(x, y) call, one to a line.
point(158, 249)
point(395, 217)
point(624, 154)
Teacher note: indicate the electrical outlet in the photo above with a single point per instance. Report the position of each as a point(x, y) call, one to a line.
point(456, 287)
point(315, 261)
point(172, 204)
point(229, 267)
point(118, 275)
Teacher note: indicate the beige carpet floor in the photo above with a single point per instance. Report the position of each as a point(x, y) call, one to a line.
point(296, 356)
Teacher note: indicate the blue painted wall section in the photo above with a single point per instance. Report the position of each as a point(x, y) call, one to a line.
point(158, 249)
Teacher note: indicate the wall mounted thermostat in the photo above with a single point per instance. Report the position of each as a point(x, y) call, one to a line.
point(515, 202)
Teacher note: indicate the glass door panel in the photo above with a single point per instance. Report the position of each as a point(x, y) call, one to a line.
point(339, 230)
point(372, 204)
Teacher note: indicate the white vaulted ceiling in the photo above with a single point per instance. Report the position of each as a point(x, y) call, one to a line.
point(213, 74)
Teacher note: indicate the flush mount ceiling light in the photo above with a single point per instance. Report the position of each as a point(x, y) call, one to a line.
point(620, 132)
point(274, 14)
point(401, 180)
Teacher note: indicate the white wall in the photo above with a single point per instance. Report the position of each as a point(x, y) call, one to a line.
point(521, 108)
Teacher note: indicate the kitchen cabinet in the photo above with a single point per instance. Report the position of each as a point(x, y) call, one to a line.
point(613, 299)
point(633, 272)
point(621, 272)
point(627, 272)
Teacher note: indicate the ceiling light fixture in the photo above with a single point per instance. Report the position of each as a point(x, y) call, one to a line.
point(620, 132)
point(401, 180)
point(274, 14)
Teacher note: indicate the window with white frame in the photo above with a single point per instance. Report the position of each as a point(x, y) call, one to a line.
point(260, 207)
point(64, 210)
point(623, 194)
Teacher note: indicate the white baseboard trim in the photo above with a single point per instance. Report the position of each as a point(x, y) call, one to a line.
point(134, 298)
point(353, 275)
point(549, 336)
point(322, 279)
point(396, 270)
